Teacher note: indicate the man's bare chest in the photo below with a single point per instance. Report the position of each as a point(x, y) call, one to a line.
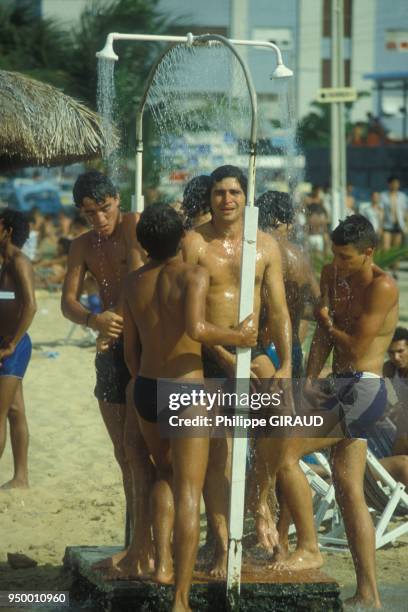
point(346, 303)
point(107, 260)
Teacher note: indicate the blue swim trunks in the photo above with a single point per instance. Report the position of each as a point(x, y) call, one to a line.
point(297, 358)
point(361, 398)
point(16, 364)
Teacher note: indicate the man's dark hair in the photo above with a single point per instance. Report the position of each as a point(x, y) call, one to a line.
point(275, 207)
point(16, 221)
point(401, 333)
point(159, 231)
point(195, 198)
point(65, 243)
point(392, 178)
point(357, 231)
point(227, 172)
point(94, 185)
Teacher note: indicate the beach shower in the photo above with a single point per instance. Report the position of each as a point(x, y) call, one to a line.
point(248, 251)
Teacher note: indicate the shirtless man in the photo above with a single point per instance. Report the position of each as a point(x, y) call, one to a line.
point(195, 206)
point(217, 246)
point(108, 251)
point(276, 216)
point(17, 310)
point(396, 369)
point(359, 311)
point(164, 326)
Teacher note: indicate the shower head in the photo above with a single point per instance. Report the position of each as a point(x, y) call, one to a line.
point(108, 52)
point(281, 72)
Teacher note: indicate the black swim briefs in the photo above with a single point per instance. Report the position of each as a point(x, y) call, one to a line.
point(151, 397)
point(112, 375)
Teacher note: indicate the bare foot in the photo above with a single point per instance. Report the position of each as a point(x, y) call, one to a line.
point(15, 483)
point(220, 566)
point(358, 601)
point(300, 559)
point(109, 562)
point(164, 574)
point(266, 530)
point(280, 553)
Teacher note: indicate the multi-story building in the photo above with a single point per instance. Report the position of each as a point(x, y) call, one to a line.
point(375, 43)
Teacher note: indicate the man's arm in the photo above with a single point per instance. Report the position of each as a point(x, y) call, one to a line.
point(132, 346)
point(322, 344)
point(107, 322)
point(277, 311)
point(378, 301)
point(199, 329)
point(135, 256)
point(24, 280)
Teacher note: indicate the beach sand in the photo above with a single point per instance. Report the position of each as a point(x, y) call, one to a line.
point(76, 495)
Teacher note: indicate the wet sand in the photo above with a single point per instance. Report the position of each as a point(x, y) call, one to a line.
point(76, 495)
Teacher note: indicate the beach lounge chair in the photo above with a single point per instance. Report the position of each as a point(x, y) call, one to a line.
point(387, 501)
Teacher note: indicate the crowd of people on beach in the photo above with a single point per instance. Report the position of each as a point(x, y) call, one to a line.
point(387, 212)
point(168, 283)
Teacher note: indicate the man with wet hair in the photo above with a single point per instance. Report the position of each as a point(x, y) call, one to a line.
point(357, 318)
point(17, 310)
point(217, 246)
point(276, 217)
point(165, 324)
point(194, 205)
point(109, 250)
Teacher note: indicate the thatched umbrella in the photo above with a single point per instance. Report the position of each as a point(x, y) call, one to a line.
point(41, 126)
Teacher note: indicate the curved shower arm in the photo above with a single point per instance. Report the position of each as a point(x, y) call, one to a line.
point(205, 38)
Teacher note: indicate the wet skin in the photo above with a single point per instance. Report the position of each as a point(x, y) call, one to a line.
point(165, 324)
point(359, 311)
point(16, 316)
point(217, 246)
point(108, 251)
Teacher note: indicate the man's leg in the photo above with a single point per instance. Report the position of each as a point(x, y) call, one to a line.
point(397, 466)
point(282, 456)
point(114, 416)
point(136, 562)
point(8, 388)
point(189, 459)
point(162, 501)
point(349, 463)
point(19, 440)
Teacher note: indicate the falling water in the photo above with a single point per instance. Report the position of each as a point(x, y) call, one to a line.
point(201, 112)
point(106, 103)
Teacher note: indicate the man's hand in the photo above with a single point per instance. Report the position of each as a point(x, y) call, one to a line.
point(108, 323)
point(324, 318)
point(249, 331)
point(6, 350)
point(103, 344)
point(313, 392)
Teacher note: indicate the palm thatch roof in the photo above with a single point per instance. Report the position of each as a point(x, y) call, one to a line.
point(41, 126)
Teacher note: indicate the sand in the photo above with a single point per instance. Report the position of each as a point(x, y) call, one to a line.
point(76, 496)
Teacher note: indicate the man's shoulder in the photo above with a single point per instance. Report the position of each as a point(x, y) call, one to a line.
point(82, 241)
point(383, 282)
point(20, 259)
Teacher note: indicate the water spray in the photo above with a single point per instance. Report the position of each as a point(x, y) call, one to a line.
point(248, 263)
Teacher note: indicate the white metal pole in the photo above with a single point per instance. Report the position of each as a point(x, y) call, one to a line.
point(338, 143)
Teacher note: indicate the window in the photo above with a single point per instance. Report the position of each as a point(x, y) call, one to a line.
point(279, 36)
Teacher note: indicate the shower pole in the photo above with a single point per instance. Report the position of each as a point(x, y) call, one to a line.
point(247, 277)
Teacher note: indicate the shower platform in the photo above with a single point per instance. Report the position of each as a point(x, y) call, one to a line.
point(261, 588)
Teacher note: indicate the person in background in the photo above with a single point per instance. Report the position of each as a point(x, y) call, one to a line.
point(394, 205)
point(373, 212)
point(17, 310)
